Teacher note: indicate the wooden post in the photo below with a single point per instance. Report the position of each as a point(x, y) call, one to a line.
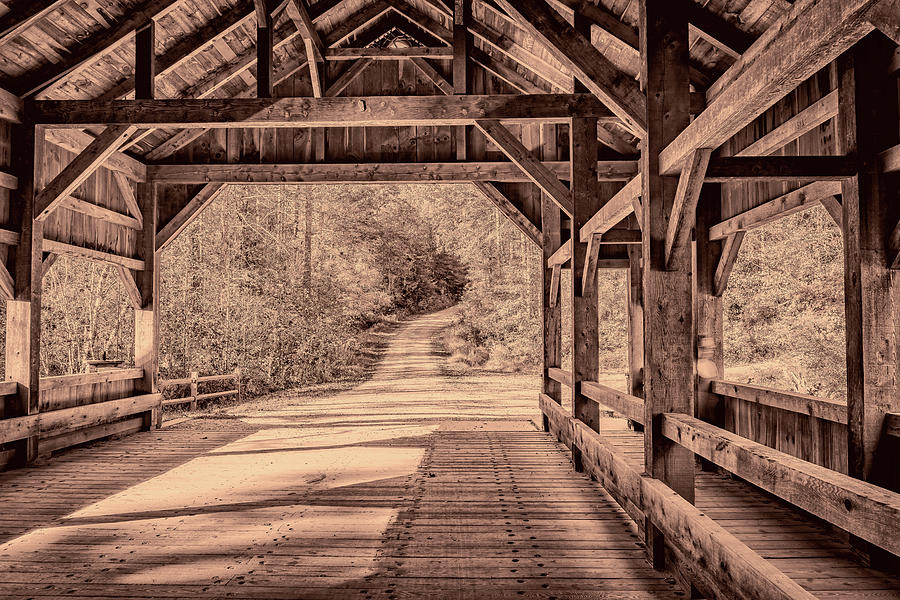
point(237, 381)
point(586, 201)
point(145, 61)
point(708, 316)
point(146, 318)
point(551, 241)
point(194, 391)
point(668, 354)
point(634, 317)
point(23, 313)
point(264, 46)
point(867, 124)
point(461, 45)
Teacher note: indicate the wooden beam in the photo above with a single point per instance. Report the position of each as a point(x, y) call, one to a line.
point(733, 569)
point(12, 108)
point(98, 255)
point(889, 160)
point(684, 207)
point(93, 48)
point(462, 46)
point(187, 214)
point(614, 211)
point(818, 408)
point(562, 254)
point(509, 210)
point(98, 212)
point(800, 199)
point(81, 167)
point(316, 112)
point(621, 94)
point(585, 200)
point(865, 510)
point(48, 262)
point(630, 407)
point(190, 46)
point(534, 169)
point(501, 70)
point(730, 250)
point(803, 122)
point(127, 194)
point(315, 49)
point(219, 78)
point(369, 172)
point(130, 287)
point(717, 31)
point(779, 168)
point(7, 283)
point(376, 53)
point(77, 141)
point(785, 54)
point(551, 238)
point(348, 77)
point(146, 318)
point(433, 76)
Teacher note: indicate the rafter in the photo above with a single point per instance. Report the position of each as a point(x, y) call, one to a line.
point(93, 48)
point(16, 21)
point(621, 94)
point(525, 160)
point(81, 167)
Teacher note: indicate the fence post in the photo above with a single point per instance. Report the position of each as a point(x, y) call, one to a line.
point(237, 381)
point(194, 376)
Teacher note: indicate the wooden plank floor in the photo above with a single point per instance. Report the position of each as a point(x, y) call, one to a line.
point(803, 547)
point(414, 484)
point(490, 509)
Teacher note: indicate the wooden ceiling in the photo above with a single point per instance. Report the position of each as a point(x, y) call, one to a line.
point(84, 49)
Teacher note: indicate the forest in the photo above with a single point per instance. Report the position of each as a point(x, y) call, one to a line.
point(288, 282)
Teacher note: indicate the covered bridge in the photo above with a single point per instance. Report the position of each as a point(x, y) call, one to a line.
point(645, 135)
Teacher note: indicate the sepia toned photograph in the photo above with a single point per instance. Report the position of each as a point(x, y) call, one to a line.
point(450, 299)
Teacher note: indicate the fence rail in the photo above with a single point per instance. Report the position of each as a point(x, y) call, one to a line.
point(194, 382)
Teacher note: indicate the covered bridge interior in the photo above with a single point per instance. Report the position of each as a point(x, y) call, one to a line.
point(644, 135)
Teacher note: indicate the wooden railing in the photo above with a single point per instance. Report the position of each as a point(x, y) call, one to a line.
point(74, 409)
point(737, 569)
point(863, 509)
point(194, 382)
point(805, 427)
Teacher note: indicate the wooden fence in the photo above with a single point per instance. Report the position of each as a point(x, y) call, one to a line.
point(194, 382)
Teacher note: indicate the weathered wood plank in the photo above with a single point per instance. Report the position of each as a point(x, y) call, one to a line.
point(730, 250)
point(77, 141)
point(626, 405)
